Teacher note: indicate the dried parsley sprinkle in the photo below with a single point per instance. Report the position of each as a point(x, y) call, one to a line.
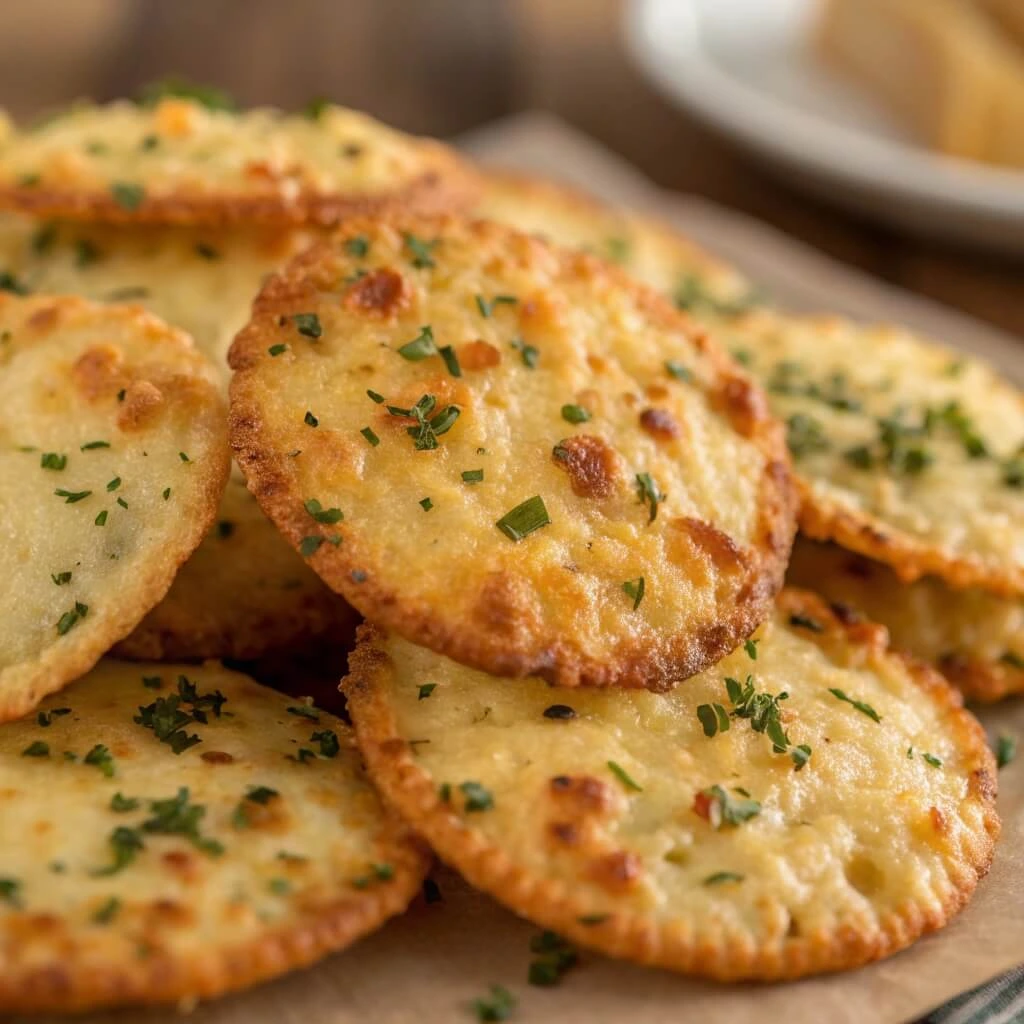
point(114, 484)
point(721, 877)
point(37, 748)
point(378, 873)
point(524, 519)
point(166, 493)
point(122, 804)
point(931, 759)
point(184, 457)
point(496, 1006)
point(261, 795)
point(330, 746)
point(649, 494)
point(575, 414)
point(308, 325)
point(9, 283)
point(125, 844)
point(554, 955)
point(864, 709)
point(426, 504)
point(321, 514)
point(167, 716)
point(61, 578)
point(358, 246)
point(122, 502)
point(750, 646)
point(310, 420)
point(472, 476)
point(678, 371)
point(375, 397)
point(51, 460)
point(723, 809)
point(107, 912)
point(477, 797)
point(486, 306)
point(428, 428)
point(421, 251)
point(276, 350)
point(1006, 750)
point(451, 360)
point(426, 690)
point(422, 346)
point(100, 757)
point(634, 590)
point(620, 773)
point(101, 519)
point(10, 892)
point(529, 354)
point(71, 497)
point(304, 711)
point(71, 619)
point(127, 195)
point(372, 439)
point(92, 445)
point(805, 434)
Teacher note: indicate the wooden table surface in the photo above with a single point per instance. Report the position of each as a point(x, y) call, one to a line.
point(444, 66)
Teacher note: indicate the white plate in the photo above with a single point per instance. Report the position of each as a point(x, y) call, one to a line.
point(746, 67)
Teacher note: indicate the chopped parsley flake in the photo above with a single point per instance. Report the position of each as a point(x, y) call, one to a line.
point(328, 740)
point(496, 1006)
point(51, 460)
point(123, 804)
point(477, 797)
point(719, 808)
point(678, 370)
point(375, 397)
point(620, 773)
point(428, 428)
point(100, 757)
point(426, 690)
point(261, 795)
point(167, 718)
point(472, 476)
point(649, 494)
point(422, 346)
point(304, 711)
point(127, 195)
point(806, 622)
point(864, 709)
point(426, 504)
point(71, 497)
point(10, 892)
point(107, 912)
point(93, 445)
point(721, 877)
point(634, 590)
point(750, 646)
point(421, 251)
point(529, 354)
point(524, 519)
point(71, 619)
point(310, 420)
point(575, 414)
point(125, 844)
point(276, 350)
point(1006, 750)
point(805, 434)
point(486, 306)
point(931, 759)
point(321, 514)
point(101, 518)
point(370, 436)
point(37, 748)
point(554, 956)
point(358, 246)
point(60, 578)
point(308, 325)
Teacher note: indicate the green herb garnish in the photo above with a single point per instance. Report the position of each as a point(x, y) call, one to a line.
point(524, 519)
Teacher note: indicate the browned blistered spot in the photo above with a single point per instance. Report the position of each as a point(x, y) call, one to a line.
point(724, 552)
point(939, 822)
point(506, 605)
point(44, 318)
point(983, 784)
point(743, 403)
point(657, 392)
point(40, 828)
point(182, 863)
point(27, 926)
point(217, 757)
point(264, 170)
point(99, 371)
point(142, 401)
point(582, 793)
point(168, 913)
point(478, 355)
point(565, 832)
point(592, 465)
point(660, 423)
point(380, 293)
point(616, 870)
point(597, 363)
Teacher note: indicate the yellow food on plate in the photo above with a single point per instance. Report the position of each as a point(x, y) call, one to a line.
point(113, 458)
point(176, 160)
point(974, 638)
point(512, 453)
point(182, 832)
point(946, 69)
point(651, 252)
point(811, 803)
point(243, 594)
point(905, 451)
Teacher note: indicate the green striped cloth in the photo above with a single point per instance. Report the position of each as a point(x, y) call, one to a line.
point(999, 1002)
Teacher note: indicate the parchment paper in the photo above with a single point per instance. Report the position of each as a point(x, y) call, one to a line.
point(429, 965)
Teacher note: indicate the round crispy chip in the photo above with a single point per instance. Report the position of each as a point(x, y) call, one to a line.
point(178, 161)
point(646, 248)
point(171, 834)
point(512, 454)
point(810, 809)
point(113, 457)
point(201, 280)
point(975, 639)
point(905, 451)
point(242, 594)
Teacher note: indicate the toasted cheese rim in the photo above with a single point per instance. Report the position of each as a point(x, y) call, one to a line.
point(23, 685)
point(653, 663)
point(553, 904)
point(67, 986)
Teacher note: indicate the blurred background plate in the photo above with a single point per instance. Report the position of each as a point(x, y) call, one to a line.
point(746, 68)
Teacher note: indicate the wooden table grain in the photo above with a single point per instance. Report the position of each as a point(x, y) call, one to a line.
point(444, 66)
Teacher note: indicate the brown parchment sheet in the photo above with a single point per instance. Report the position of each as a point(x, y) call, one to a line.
point(429, 965)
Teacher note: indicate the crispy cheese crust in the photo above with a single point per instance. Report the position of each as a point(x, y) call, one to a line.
point(132, 874)
point(660, 257)
point(974, 638)
point(179, 162)
point(617, 821)
point(905, 451)
point(549, 380)
point(113, 458)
